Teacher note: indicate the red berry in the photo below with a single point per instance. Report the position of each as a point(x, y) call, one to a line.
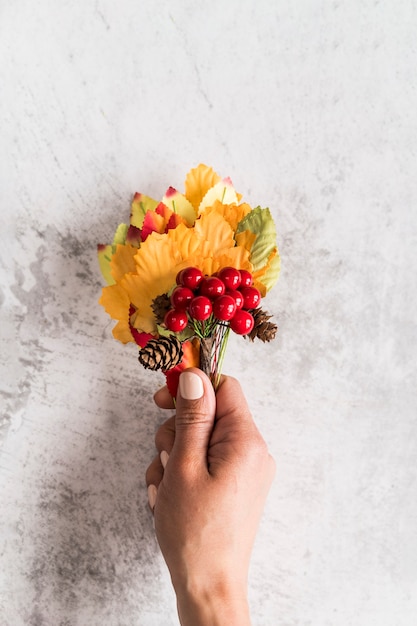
point(191, 277)
point(200, 308)
point(176, 320)
point(178, 277)
point(224, 308)
point(212, 287)
point(246, 278)
point(242, 323)
point(181, 297)
point(231, 277)
point(237, 297)
point(251, 297)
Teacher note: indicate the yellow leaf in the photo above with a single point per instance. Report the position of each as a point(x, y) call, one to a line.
point(222, 191)
point(232, 213)
point(197, 183)
point(141, 295)
point(157, 262)
point(116, 302)
point(123, 261)
point(189, 242)
point(122, 332)
point(236, 257)
point(216, 230)
point(245, 239)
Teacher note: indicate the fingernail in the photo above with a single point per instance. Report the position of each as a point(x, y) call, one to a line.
point(191, 386)
point(152, 493)
point(164, 456)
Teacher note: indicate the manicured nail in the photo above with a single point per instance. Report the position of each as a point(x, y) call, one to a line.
point(164, 456)
point(191, 386)
point(152, 493)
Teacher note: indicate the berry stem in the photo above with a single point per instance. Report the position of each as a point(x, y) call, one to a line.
point(225, 331)
point(206, 345)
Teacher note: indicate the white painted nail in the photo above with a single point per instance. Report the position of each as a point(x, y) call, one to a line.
point(152, 493)
point(191, 386)
point(164, 456)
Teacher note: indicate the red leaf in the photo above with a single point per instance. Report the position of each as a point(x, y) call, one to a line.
point(140, 338)
point(153, 222)
point(191, 358)
point(133, 236)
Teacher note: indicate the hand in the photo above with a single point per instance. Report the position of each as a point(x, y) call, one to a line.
point(209, 497)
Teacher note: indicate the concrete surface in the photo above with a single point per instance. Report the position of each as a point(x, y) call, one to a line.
point(310, 107)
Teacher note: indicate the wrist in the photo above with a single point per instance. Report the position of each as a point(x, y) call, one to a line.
point(221, 602)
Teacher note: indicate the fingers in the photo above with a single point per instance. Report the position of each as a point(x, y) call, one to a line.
point(165, 435)
point(195, 411)
point(154, 476)
point(155, 472)
point(229, 389)
point(163, 398)
point(235, 429)
point(232, 402)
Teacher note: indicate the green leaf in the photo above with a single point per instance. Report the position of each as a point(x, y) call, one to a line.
point(260, 222)
point(120, 235)
point(185, 334)
point(140, 205)
point(104, 254)
point(178, 203)
point(271, 275)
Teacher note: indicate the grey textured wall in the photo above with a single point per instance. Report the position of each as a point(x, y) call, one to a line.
point(310, 107)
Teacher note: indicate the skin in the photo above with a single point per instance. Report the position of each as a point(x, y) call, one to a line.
point(209, 498)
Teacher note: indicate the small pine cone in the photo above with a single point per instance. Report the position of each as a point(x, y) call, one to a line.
point(162, 353)
point(160, 306)
point(263, 329)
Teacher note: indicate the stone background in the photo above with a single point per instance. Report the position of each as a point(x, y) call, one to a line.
point(310, 107)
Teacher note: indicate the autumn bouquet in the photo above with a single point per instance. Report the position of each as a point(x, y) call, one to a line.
point(188, 270)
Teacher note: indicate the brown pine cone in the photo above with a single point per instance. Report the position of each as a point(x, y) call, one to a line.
point(160, 306)
point(263, 329)
point(163, 353)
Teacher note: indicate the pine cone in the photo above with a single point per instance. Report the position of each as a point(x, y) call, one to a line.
point(262, 329)
point(160, 306)
point(163, 353)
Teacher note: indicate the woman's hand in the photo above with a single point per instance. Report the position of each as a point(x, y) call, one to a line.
point(207, 489)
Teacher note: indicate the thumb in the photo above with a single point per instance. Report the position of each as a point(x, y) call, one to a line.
point(195, 411)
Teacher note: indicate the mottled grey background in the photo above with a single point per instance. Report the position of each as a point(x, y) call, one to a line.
point(310, 107)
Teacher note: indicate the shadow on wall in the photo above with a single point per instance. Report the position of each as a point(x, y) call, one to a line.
point(95, 557)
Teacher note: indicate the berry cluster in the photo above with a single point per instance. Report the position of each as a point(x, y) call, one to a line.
point(225, 297)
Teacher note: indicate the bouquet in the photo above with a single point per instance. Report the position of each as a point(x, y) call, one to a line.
point(188, 270)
